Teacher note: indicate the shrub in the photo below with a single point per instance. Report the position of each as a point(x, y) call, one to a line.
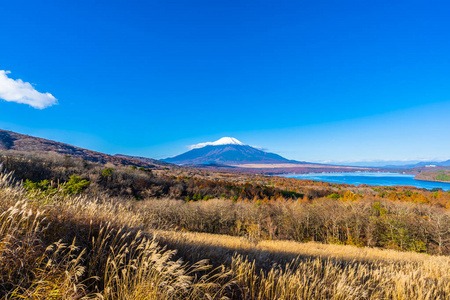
point(107, 172)
point(75, 185)
point(334, 196)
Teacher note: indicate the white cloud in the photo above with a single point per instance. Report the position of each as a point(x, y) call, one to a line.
point(23, 92)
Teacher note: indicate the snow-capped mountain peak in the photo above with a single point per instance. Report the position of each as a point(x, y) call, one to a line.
point(222, 141)
point(225, 151)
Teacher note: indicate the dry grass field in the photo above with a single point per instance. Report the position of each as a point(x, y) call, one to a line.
point(77, 247)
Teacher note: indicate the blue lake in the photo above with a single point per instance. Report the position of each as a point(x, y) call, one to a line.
point(371, 178)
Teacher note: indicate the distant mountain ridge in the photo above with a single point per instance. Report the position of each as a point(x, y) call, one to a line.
point(10, 140)
point(420, 165)
point(445, 163)
point(143, 159)
point(397, 164)
point(227, 151)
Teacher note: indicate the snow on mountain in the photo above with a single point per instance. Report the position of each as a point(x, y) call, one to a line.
point(219, 142)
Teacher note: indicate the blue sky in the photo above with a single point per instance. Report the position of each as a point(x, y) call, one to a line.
point(310, 80)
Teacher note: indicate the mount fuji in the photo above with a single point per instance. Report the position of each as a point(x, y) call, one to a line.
point(226, 151)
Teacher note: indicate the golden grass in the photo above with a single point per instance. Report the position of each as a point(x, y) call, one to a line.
point(294, 249)
point(290, 270)
point(115, 261)
point(81, 248)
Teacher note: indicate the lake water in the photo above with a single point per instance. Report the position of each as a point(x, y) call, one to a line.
point(371, 178)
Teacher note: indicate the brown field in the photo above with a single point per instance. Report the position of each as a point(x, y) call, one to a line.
point(279, 166)
point(78, 247)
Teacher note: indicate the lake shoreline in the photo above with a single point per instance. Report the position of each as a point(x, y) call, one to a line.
point(371, 179)
point(431, 180)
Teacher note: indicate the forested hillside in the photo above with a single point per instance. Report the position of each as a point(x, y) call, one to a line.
point(439, 175)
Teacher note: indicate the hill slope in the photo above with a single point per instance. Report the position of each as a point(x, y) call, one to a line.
point(15, 141)
point(437, 175)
